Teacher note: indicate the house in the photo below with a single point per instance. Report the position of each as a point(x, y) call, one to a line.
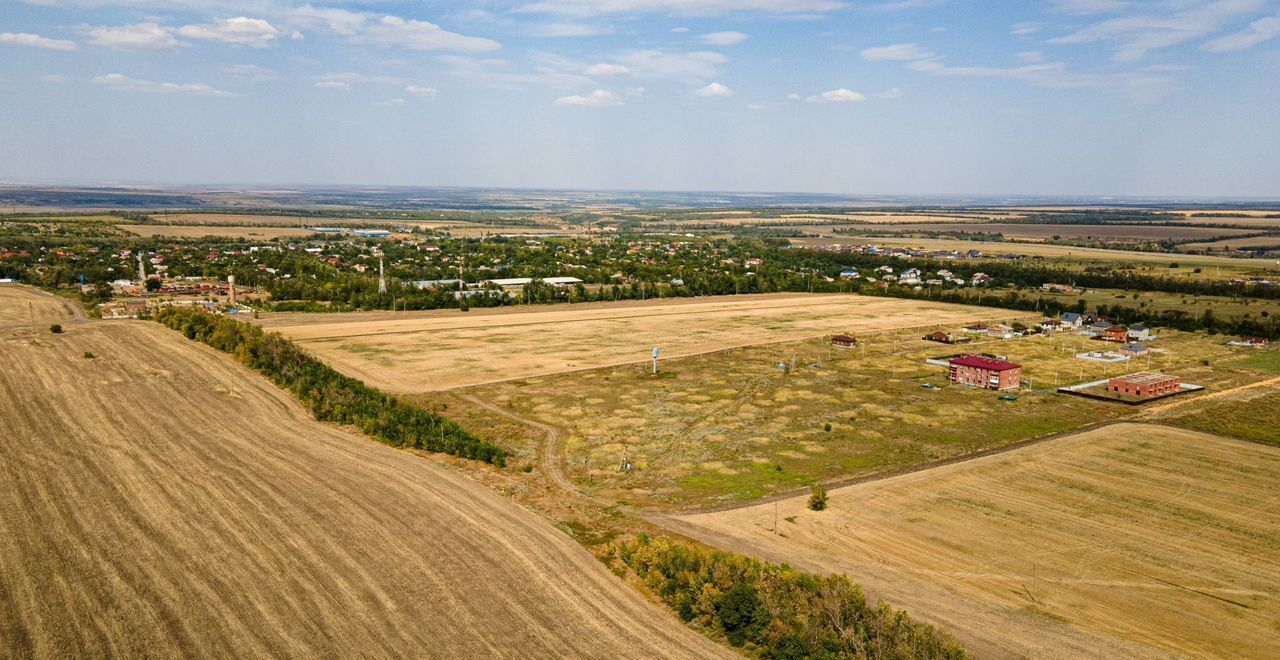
point(946, 338)
point(977, 371)
point(1001, 331)
point(911, 272)
point(884, 269)
point(1144, 384)
point(1250, 342)
point(944, 274)
point(1071, 319)
point(1139, 332)
point(980, 278)
point(1051, 325)
point(1117, 333)
point(1057, 288)
point(844, 341)
point(1134, 350)
point(848, 274)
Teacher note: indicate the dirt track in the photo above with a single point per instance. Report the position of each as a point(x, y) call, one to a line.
point(1130, 540)
point(160, 500)
point(423, 351)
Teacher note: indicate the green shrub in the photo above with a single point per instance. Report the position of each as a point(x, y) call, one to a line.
point(775, 611)
point(818, 498)
point(55, 329)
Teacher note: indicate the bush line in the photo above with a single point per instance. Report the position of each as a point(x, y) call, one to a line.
point(775, 611)
point(329, 395)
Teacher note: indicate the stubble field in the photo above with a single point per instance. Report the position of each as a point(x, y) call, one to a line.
point(425, 351)
point(262, 233)
point(158, 499)
point(1131, 540)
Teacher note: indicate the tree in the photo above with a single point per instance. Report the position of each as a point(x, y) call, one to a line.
point(55, 329)
point(153, 285)
point(741, 613)
point(818, 498)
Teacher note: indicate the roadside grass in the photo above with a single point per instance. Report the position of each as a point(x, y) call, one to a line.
point(1267, 361)
point(1254, 418)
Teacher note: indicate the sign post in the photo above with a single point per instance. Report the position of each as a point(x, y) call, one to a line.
point(655, 360)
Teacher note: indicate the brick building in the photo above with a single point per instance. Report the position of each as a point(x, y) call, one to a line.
point(977, 371)
point(1144, 384)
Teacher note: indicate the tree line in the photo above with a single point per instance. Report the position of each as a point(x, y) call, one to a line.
point(774, 611)
point(329, 395)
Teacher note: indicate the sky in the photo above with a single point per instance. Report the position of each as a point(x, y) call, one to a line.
point(1176, 98)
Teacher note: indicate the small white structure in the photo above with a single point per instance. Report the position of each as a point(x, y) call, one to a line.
point(1105, 357)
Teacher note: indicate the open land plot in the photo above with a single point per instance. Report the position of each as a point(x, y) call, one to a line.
point(732, 426)
point(1066, 254)
point(422, 351)
point(1271, 241)
point(161, 500)
point(1130, 540)
point(267, 219)
point(1039, 232)
point(218, 231)
point(1160, 301)
point(1251, 222)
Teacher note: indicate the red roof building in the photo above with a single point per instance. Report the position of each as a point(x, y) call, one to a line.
point(1144, 384)
point(977, 371)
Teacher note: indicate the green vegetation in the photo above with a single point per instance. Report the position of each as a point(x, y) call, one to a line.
point(55, 329)
point(329, 395)
point(774, 611)
point(1265, 361)
point(89, 356)
point(818, 499)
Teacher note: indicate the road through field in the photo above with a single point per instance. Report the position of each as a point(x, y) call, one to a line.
point(1131, 540)
point(444, 349)
point(158, 499)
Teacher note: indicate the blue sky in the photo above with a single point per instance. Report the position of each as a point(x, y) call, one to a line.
point(1091, 97)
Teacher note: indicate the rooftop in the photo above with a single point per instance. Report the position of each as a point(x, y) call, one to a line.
point(1144, 377)
point(984, 363)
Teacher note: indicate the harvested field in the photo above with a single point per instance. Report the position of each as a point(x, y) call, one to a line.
point(223, 231)
point(1252, 222)
point(1272, 241)
point(423, 351)
point(159, 500)
point(1125, 541)
point(239, 219)
point(1038, 232)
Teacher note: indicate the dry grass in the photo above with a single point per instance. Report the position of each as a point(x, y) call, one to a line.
point(1127, 541)
point(731, 426)
point(223, 231)
point(1272, 241)
point(422, 351)
point(1038, 232)
point(160, 500)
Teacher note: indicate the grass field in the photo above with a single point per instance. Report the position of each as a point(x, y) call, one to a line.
point(1270, 241)
point(422, 351)
point(730, 426)
point(1125, 541)
point(1157, 263)
point(220, 231)
point(159, 500)
point(1159, 301)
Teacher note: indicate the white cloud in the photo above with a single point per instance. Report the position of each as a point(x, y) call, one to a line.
point(569, 30)
point(125, 83)
point(723, 38)
point(1263, 29)
point(679, 7)
point(391, 103)
point(238, 31)
point(493, 72)
point(1087, 7)
point(895, 53)
point(713, 90)
point(35, 41)
point(606, 69)
point(1135, 36)
point(841, 95)
point(756, 106)
point(421, 90)
point(793, 96)
point(252, 72)
point(689, 68)
point(679, 30)
point(891, 94)
point(1025, 29)
point(389, 31)
point(1030, 56)
point(56, 78)
point(149, 36)
point(334, 84)
point(598, 99)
